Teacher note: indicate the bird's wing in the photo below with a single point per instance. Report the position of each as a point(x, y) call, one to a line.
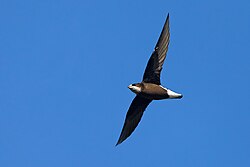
point(133, 117)
point(154, 66)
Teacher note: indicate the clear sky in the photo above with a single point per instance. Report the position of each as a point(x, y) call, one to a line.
point(65, 67)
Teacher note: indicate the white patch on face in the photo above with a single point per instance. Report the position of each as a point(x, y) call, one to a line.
point(134, 89)
point(173, 95)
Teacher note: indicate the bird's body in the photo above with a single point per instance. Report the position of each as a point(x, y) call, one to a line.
point(150, 88)
point(154, 92)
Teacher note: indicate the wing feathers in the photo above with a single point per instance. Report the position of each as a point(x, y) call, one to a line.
point(154, 66)
point(133, 117)
point(151, 75)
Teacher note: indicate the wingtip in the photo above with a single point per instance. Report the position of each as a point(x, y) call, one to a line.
point(119, 142)
point(167, 16)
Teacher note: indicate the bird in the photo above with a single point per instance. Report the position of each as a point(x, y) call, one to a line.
point(150, 88)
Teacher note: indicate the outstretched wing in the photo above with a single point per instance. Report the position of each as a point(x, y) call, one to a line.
point(133, 117)
point(154, 66)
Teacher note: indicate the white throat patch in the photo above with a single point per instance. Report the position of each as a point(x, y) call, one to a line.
point(134, 89)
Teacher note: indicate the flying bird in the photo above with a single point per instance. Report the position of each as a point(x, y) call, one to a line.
point(150, 88)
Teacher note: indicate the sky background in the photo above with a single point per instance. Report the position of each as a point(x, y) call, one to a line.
point(65, 67)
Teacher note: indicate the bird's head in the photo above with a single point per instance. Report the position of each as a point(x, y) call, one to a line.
point(136, 88)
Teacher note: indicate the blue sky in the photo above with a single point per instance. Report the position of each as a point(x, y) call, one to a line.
point(65, 67)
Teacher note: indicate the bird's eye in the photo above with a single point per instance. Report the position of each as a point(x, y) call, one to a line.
point(133, 84)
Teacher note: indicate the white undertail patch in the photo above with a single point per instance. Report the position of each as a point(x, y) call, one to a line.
point(172, 94)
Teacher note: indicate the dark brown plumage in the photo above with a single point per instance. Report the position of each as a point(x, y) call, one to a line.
point(150, 88)
point(139, 104)
point(154, 66)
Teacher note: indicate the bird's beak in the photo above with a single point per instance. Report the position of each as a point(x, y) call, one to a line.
point(130, 86)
